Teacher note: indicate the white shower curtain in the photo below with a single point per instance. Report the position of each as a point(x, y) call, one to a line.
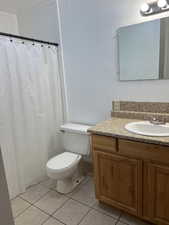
point(30, 111)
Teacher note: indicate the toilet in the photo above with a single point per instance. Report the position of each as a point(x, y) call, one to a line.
point(64, 167)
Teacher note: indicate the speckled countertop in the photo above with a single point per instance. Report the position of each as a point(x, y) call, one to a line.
point(116, 128)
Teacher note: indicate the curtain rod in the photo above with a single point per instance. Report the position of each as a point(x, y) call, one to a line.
point(28, 39)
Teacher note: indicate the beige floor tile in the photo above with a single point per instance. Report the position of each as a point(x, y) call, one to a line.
point(120, 223)
point(18, 206)
point(96, 218)
point(85, 193)
point(110, 211)
point(34, 193)
point(32, 216)
point(52, 221)
point(84, 181)
point(49, 183)
point(132, 220)
point(71, 213)
point(51, 202)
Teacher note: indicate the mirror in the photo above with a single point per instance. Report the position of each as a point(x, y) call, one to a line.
point(143, 51)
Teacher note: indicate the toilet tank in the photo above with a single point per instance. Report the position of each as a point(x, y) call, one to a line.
point(76, 138)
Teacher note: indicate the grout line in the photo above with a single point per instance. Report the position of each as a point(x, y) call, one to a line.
point(118, 219)
point(121, 214)
point(84, 216)
point(107, 214)
point(22, 212)
point(45, 221)
point(54, 219)
point(58, 220)
point(90, 207)
point(54, 189)
point(15, 197)
point(41, 197)
point(52, 215)
point(60, 207)
point(48, 214)
point(124, 223)
point(32, 203)
point(26, 200)
point(116, 222)
point(104, 213)
point(85, 204)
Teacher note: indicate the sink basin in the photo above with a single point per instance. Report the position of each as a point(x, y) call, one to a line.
point(148, 129)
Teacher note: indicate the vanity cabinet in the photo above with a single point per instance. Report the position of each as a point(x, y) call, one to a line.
point(132, 176)
point(156, 193)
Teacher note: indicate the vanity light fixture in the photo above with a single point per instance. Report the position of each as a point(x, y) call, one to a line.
point(163, 4)
point(145, 8)
point(154, 7)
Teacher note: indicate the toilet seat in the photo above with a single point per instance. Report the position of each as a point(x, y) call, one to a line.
point(63, 161)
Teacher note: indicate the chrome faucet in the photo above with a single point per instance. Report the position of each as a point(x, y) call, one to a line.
point(156, 121)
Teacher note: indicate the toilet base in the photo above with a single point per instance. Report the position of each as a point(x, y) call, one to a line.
point(67, 185)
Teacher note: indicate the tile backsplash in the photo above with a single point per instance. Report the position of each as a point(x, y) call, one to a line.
point(141, 110)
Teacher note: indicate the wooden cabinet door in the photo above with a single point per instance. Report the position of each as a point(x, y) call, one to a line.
point(118, 181)
point(156, 193)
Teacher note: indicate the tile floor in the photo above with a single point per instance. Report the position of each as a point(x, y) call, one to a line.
point(42, 205)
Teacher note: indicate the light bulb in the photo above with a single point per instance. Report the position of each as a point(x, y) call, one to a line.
point(162, 3)
point(145, 8)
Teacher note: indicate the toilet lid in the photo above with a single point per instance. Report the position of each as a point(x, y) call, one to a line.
point(63, 160)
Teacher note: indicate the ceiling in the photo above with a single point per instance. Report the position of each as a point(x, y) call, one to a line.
point(13, 6)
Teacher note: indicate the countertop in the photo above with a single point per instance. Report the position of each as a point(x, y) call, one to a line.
point(115, 127)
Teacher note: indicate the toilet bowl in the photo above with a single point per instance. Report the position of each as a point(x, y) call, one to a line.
point(64, 167)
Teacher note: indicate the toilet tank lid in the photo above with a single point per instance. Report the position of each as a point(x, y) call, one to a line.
point(75, 128)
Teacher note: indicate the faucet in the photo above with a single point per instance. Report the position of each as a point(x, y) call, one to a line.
point(156, 121)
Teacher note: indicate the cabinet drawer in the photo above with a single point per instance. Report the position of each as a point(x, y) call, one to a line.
point(144, 151)
point(104, 143)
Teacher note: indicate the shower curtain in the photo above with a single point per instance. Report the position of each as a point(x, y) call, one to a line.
point(30, 111)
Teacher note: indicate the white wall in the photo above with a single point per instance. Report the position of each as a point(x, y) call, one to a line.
point(89, 47)
point(39, 21)
point(8, 23)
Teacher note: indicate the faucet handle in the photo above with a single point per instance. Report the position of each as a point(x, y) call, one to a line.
point(156, 121)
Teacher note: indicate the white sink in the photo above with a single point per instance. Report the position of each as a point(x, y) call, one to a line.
point(148, 129)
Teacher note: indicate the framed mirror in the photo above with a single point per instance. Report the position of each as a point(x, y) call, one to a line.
point(143, 51)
